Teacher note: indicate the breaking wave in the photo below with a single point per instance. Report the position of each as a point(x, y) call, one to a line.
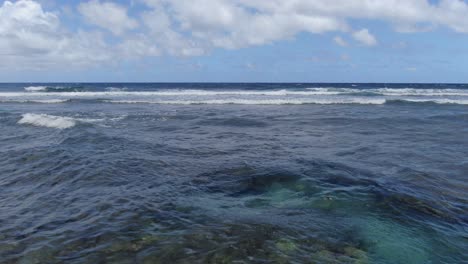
point(374, 96)
point(50, 101)
point(253, 101)
point(393, 91)
point(49, 121)
point(53, 121)
point(116, 89)
point(435, 101)
point(36, 89)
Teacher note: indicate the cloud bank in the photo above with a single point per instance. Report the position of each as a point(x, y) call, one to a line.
point(109, 32)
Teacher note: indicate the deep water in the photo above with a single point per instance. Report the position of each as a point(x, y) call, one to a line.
point(218, 173)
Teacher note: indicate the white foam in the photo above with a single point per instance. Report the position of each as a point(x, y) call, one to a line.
point(167, 93)
point(116, 89)
point(422, 92)
point(320, 95)
point(50, 121)
point(300, 101)
point(35, 88)
point(437, 101)
point(50, 101)
point(112, 91)
point(394, 91)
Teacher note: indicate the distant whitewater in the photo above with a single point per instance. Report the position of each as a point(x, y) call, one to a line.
point(35, 88)
point(248, 95)
point(43, 88)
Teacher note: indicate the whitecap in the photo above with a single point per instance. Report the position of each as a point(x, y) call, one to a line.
point(50, 101)
point(50, 121)
point(300, 101)
point(437, 101)
point(319, 95)
point(392, 91)
point(35, 88)
point(123, 92)
point(116, 89)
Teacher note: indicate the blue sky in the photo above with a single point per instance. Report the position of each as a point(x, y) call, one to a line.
point(234, 41)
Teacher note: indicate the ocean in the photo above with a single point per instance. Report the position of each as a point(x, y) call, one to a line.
point(233, 173)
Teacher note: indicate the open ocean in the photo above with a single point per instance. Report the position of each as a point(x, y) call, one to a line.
point(233, 173)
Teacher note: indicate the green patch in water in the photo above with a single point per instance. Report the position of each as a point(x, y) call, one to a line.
point(286, 245)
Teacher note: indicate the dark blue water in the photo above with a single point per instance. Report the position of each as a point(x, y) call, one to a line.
point(226, 173)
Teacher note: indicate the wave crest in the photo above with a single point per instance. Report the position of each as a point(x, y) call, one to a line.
point(377, 96)
point(35, 88)
point(57, 89)
point(253, 101)
point(49, 121)
point(116, 89)
point(45, 101)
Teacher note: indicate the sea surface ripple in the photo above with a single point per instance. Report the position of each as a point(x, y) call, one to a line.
point(83, 180)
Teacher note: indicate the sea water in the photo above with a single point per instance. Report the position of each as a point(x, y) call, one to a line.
point(219, 173)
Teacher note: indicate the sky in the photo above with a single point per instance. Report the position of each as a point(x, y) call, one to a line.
point(234, 41)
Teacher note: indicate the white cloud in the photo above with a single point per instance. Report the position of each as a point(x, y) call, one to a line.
point(25, 28)
point(235, 24)
point(340, 41)
point(365, 37)
point(452, 13)
point(138, 46)
point(33, 37)
point(160, 30)
point(107, 15)
point(241, 23)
